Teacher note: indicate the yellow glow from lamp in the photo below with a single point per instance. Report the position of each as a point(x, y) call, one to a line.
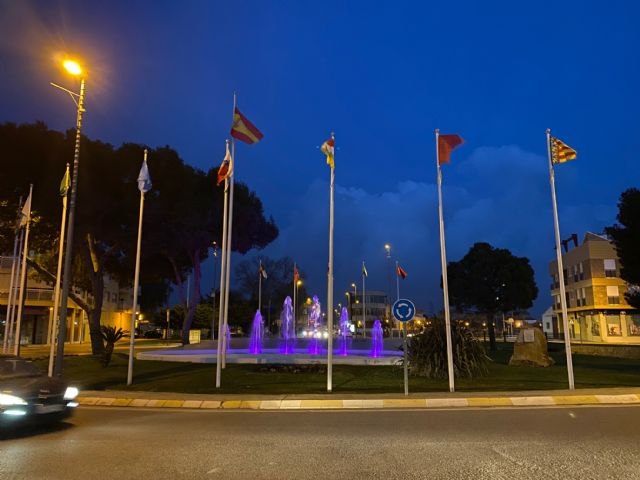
point(72, 67)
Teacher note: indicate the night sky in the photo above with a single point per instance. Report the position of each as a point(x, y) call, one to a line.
point(383, 76)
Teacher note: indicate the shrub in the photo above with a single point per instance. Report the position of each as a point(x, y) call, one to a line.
point(110, 336)
point(427, 353)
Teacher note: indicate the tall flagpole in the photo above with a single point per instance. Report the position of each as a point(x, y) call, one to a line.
point(23, 275)
point(330, 281)
point(10, 297)
point(16, 289)
point(397, 282)
point(295, 269)
point(136, 282)
point(229, 232)
point(364, 301)
point(56, 292)
point(223, 271)
point(563, 298)
point(443, 261)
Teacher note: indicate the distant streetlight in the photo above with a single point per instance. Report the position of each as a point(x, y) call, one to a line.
point(214, 245)
point(78, 98)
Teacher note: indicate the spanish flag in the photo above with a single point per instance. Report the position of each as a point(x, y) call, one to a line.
point(328, 149)
point(446, 144)
point(226, 167)
point(561, 152)
point(244, 130)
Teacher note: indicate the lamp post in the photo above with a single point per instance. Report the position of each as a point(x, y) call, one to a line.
point(74, 69)
point(295, 303)
point(387, 249)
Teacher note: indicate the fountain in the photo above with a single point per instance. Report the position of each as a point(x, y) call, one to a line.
point(343, 339)
point(315, 332)
point(376, 340)
point(287, 329)
point(257, 334)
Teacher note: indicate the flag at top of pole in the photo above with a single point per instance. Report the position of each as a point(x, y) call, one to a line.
point(243, 130)
point(446, 144)
point(328, 149)
point(561, 152)
point(364, 270)
point(65, 183)
point(401, 272)
point(226, 167)
point(262, 271)
point(144, 179)
point(25, 214)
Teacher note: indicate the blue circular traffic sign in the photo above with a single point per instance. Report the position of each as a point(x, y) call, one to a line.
point(403, 310)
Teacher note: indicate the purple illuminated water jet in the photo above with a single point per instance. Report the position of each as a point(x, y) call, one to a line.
point(315, 332)
point(287, 328)
point(257, 334)
point(343, 340)
point(376, 340)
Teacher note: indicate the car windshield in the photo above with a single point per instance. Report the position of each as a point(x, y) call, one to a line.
point(17, 368)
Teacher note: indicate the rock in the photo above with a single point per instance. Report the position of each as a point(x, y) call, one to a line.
point(530, 349)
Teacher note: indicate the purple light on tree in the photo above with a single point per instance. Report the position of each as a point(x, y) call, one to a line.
point(257, 334)
point(343, 340)
point(287, 328)
point(376, 340)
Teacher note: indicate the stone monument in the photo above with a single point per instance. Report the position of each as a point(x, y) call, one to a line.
point(530, 349)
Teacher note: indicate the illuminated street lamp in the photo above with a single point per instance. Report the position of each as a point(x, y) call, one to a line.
point(78, 98)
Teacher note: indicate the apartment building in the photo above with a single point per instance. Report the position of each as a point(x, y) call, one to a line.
point(596, 306)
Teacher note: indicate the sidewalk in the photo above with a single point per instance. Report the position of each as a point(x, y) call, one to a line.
point(113, 398)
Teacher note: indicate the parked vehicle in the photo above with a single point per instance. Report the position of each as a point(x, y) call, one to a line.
point(28, 395)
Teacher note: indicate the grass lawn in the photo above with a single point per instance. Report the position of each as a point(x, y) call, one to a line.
point(590, 372)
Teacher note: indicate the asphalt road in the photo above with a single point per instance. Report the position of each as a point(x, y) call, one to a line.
point(516, 444)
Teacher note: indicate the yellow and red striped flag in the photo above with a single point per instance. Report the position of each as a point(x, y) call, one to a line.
point(244, 130)
point(561, 152)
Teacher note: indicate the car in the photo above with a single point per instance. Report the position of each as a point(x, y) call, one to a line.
point(28, 395)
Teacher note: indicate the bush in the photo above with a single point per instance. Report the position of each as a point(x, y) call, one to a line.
point(427, 353)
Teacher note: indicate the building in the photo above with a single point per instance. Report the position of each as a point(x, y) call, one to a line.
point(377, 304)
point(38, 309)
point(596, 306)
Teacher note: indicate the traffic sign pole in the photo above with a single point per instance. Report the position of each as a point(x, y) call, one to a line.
point(404, 310)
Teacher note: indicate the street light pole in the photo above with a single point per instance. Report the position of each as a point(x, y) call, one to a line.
point(213, 295)
point(66, 275)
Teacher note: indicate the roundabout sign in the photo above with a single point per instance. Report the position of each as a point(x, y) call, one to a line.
point(403, 310)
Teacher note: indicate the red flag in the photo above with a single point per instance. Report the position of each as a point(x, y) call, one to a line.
point(401, 273)
point(446, 144)
point(226, 167)
point(244, 130)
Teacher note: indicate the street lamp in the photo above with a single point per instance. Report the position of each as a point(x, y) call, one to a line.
point(78, 98)
point(387, 249)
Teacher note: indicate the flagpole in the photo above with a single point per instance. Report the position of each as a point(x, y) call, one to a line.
point(364, 301)
point(260, 288)
point(397, 282)
point(229, 232)
point(136, 282)
point(15, 267)
point(443, 261)
point(295, 269)
point(223, 271)
point(330, 281)
point(23, 275)
point(56, 294)
point(563, 298)
point(16, 288)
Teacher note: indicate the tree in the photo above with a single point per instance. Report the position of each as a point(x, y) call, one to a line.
point(626, 238)
point(491, 280)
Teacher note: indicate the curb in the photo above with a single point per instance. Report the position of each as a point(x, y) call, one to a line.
point(365, 403)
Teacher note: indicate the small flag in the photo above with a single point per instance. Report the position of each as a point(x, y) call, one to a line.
point(226, 167)
point(446, 144)
point(365, 274)
point(296, 274)
point(65, 183)
point(144, 179)
point(401, 273)
point(262, 272)
point(244, 130)
point(25, 214)
point(328, 149)
point(561, 152)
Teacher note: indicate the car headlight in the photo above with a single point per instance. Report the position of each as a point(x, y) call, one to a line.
point(7, 400)
point(71, 393)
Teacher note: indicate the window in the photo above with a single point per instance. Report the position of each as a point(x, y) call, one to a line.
point(613, 326)
point(613, 295)
point(581, 297)
point(633, 322)
point(580, 271)
point(610, 268)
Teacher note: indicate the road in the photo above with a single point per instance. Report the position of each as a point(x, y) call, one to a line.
point(516, 444)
